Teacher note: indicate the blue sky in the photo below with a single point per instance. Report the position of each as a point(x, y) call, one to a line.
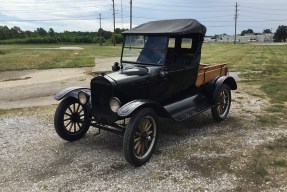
point(83, 15)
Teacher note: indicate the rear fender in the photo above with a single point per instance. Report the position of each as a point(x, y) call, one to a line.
point(216, 84)
point(230, 81)
point(71, 92)
point(128, 109)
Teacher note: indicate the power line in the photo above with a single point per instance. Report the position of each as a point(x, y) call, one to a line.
point(264, 13)
point(70, 19)
point(55, 8)
point(190, 10)
point(181, 6)
point(263, 8)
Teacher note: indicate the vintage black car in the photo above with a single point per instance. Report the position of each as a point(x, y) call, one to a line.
point(159, 75)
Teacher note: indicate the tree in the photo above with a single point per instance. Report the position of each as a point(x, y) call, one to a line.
point(246, 32)
point(119, 31)
point(281, 34)
point(42, 32)
point(105, 34)
point(16, 32)
point(28, 34)
point(51, 32)
point(267, 31)
point(4, 32)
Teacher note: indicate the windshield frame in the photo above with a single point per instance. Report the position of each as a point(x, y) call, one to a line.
point(144, 63)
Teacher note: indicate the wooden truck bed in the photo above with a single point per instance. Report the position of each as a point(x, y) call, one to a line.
point(208, 72)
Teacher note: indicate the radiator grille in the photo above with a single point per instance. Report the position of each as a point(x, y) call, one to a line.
point(101, 92)
point(101, 95)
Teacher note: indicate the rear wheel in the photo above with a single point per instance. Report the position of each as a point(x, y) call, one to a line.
point(222, 99)
point(140, 137)
point(71, 119)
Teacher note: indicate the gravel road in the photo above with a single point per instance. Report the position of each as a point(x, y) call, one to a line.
point(197, 155)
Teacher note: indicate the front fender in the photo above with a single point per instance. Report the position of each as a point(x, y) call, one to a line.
point(71, 92)
point(129, 108)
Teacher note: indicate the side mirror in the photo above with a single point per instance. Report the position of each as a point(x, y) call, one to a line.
point(116, 66)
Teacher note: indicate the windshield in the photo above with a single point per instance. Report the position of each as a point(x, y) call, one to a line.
point(145, 49)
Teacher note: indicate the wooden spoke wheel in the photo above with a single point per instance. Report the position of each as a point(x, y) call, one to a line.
point(222, 103)
point(140, 137)
point(71, 119)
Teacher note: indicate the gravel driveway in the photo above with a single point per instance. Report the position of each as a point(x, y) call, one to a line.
point(197, 155)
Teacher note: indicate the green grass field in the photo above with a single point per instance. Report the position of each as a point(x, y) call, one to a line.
point(17, 57)
point(242, 57)
point(270, 61)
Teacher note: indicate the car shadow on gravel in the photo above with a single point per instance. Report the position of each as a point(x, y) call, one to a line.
point(175, 135)
point(195, 126)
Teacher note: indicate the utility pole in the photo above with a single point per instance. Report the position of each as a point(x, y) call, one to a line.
point(122, 19)
point(131, 14)
point(100, 31)
point(114, 18)
point(235, 18)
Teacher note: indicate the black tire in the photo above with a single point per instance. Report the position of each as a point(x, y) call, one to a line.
point(140, 137)
point(222, 100)
point(71, 119)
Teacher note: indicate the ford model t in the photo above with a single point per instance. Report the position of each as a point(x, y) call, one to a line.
point(159, 75)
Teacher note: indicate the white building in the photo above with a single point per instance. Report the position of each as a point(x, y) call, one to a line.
point(247, 38)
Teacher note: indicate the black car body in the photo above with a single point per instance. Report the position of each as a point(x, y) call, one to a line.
point(156, 77)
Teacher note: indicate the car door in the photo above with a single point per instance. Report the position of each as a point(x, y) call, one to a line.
point(182, 67)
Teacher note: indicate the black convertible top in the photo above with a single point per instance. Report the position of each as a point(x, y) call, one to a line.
point(169, 27)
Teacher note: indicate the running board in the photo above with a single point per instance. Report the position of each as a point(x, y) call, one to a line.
point(188, 107)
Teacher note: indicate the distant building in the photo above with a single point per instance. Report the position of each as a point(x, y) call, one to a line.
point(247, 38)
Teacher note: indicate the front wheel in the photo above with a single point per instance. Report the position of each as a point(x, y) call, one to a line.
point(71, 119)
point(222, 99)
point(140, 137)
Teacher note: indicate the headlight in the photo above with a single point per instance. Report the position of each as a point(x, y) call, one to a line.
point(83, 97)
point(115, 104)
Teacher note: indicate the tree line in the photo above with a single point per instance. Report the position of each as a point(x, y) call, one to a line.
point(40, 35)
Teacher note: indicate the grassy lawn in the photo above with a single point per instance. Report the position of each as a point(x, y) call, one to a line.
point(17, 57)
point(271, 62)
point(242, 57)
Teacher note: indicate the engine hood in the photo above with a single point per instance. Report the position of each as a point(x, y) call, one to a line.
point(132, 74)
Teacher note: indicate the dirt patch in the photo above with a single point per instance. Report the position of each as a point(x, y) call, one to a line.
point(28, 88)
point(16, 79)
point(59, 48)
